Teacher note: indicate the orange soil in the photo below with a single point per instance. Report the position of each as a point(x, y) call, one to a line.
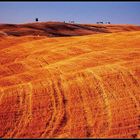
point(70, 87)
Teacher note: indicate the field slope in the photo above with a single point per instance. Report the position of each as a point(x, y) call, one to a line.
point(86, 86)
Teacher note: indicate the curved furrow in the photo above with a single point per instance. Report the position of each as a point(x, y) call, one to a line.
point(27, 116)
point(56, 85)
point(54, 102)
point(41, 110)
point(59, 111)
point(91, 107)
point(103, 130)
point(25, 105)
point(84, 96)
point(61, 119)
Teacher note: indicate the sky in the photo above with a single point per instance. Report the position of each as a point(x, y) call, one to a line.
point(80, 12)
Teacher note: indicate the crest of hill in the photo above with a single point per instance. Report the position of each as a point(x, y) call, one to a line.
point(61, 29)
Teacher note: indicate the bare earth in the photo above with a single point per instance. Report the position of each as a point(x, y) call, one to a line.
point(67, 87)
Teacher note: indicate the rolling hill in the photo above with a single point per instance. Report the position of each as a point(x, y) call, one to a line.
point(60, 29)
point(70, 87)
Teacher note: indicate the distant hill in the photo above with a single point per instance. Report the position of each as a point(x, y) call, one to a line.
point(60, 29)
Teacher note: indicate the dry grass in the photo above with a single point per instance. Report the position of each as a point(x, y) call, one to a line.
point(69, 87)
